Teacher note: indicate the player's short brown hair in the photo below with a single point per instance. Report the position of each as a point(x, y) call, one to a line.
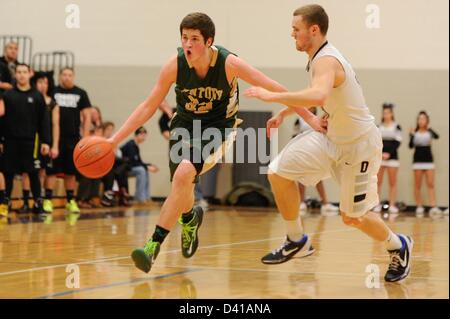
point(314, 14)
point(199, 21)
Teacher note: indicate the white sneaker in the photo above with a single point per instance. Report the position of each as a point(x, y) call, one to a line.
point(420, 211)
point(445, 212)
point(329, 209)
point(435, 211)
point(393, 210)
point(203, 204)
point(302, 209)
point(377, 208)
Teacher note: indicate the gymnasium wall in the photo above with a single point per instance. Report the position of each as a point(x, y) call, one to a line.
point(121, 45)
point(411, 34)
point(120, 89)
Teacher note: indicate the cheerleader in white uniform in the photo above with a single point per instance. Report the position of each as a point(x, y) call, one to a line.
point(391, 134)
point(423, 165)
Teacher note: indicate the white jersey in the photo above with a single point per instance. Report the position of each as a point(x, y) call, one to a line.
point(349, 117)
point(301, 126)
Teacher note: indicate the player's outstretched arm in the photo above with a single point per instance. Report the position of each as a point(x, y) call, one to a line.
point(236, 67)
point(147, 108)
point(323, 81)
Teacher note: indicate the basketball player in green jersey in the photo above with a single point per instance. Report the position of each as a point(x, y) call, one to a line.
point(206, 94)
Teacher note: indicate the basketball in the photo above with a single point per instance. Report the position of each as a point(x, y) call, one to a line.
point(93, 156)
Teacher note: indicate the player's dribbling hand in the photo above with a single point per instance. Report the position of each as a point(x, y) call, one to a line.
point(274, 122)
point(386, 156)
point(319, 124)
point(258, 93)
point(113, 143)
point(45, 149)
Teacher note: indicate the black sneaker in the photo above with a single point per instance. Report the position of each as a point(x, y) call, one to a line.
point(38, 207)
point(189, 233)
point(25, 209)
point(399, 266)
point(288, 250)
point(108, 199)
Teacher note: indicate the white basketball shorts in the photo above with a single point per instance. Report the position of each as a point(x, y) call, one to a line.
point(312, 157)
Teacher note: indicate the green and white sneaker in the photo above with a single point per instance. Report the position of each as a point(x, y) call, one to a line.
point(72, 207)
point(48, 206)
point(144, 258)
point(189, 233)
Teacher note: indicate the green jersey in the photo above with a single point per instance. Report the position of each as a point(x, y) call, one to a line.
point(211, 99)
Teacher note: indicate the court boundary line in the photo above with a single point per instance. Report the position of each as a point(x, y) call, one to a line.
point(94, 261)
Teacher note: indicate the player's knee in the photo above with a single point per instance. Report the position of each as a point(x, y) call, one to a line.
point(351, 221)
point(184, 174)
point(275, 179)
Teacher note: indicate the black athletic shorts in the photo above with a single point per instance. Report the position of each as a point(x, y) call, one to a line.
point(192, 148)
point(20, 156)
point(64, 162)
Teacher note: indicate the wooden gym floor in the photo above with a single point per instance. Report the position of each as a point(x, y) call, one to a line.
point(39, 257)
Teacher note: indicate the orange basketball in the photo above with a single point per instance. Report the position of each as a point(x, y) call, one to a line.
point(93, 156)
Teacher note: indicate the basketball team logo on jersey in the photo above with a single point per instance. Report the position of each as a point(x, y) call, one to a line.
point(201, 99)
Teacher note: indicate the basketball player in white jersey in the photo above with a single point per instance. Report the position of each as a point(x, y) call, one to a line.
point(351, 151)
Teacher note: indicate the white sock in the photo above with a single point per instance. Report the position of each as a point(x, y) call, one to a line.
point(294, 229)
point(393, 242)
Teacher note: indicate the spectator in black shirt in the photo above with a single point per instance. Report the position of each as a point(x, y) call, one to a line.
point(130, 152)
point(44, 84)
point(5, 78)
point(25, 115)
point(73, 103)
point(9, 59)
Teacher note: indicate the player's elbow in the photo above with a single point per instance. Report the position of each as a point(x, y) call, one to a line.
point(320, 99)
